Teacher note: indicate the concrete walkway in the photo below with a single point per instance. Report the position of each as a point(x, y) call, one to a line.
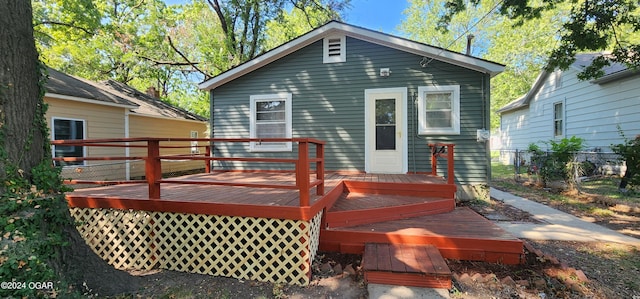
point(558, 225)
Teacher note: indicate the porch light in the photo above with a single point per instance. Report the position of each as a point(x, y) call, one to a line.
point(385, 72)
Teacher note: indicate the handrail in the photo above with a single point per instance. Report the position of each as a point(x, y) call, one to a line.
point(444, 150)
point(153, 166)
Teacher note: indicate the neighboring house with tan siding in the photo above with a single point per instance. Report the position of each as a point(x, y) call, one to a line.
point(82, 109)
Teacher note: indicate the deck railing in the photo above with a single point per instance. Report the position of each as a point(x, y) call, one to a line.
point(153, 165)
point(442, 150)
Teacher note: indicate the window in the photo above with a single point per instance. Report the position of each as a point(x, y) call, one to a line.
point(385, 124)
point(558, 129)
point(270, 118)
point(194, 144)
point(557, 79)
point(439, 109)
point(68, 129)
point(334, 49)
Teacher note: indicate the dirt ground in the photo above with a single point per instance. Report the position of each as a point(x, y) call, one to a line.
point(553, 269)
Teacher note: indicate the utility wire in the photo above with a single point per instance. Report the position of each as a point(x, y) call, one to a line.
point(465, 32)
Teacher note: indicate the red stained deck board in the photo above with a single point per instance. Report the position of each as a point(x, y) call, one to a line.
point(405, 264)
point(359, 201)
point(461, 234)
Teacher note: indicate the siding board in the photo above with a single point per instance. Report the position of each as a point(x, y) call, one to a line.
point(328, 104)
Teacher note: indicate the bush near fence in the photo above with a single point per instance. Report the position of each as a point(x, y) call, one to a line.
point(594, 163)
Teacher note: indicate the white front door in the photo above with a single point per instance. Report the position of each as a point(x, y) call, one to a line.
point(385, 130)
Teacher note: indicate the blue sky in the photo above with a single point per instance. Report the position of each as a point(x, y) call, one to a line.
point(380, 15)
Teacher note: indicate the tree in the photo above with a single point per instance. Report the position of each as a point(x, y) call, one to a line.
point(171, 47)
point(22, 129)
point(290, 25)
point(591, 26)
point(523, 49)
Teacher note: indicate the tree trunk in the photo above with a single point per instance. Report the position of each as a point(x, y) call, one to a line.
point(22, 136)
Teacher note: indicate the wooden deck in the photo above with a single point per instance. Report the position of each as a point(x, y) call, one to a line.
point(359, 209)
point(222, 199)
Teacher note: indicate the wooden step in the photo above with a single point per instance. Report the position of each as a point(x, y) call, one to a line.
point(405, 265)
point(460, 234)
point(404, 189)
point(357, 209)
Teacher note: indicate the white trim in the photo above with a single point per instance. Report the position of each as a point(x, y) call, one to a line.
point(342, 57)
point(134, 113)
point(337, 28)
point(194, 144)
point(127, 150)
point(84, 136)
point(455, 110)
point(89, 101)
point(255, 147)
point(562, 119)
point(404, 125)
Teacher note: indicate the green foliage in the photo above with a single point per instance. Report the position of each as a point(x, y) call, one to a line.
point(32, 218)
point(33, 212)
point(523, 49)
point(590, 26)
point(290, 25)
point(559, 162)
point(629, 152)
point(170, 47)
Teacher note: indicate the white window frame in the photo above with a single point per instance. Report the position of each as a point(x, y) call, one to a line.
point(343, 50)
point(194, 144)
point(84, 136)
point(561, 119)
point(253, 123)
point(455, 110)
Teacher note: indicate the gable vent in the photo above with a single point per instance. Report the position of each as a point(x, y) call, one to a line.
point(334, 49)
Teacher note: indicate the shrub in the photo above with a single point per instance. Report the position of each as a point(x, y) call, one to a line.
point(559, 163)
point(629, 152)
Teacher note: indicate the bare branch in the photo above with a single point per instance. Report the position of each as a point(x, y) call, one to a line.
point(166, 62)
point(194, 65)
point(223, 21)
point(85, 30)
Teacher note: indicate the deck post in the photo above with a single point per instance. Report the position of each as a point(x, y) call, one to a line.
point(302, 173)
point(320, 168)
point(153, 168)
point(450, 177)
point(434, 159)
point(207, 163)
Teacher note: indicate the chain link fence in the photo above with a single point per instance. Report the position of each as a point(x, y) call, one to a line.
point(594, 163)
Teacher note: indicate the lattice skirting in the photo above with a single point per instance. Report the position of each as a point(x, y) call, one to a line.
point(272, 250)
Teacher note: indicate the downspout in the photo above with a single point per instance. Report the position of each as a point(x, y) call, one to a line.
point(486, 111)
point(127, 153)
point(211, 127)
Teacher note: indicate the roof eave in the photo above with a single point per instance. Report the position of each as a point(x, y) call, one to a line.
point(90, 101)
point(310, 37)
point(615, 76)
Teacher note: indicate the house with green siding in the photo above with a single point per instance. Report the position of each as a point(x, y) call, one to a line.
point(377, 101)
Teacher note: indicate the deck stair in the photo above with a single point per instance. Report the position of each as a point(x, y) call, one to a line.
point(405, 264)
point(366, 203)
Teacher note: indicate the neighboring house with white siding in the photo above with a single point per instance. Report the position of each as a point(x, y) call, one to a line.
point(376, 99)
point(83, 109)
point(560, 105)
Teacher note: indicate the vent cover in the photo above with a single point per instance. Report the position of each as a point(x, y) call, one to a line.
point(334, 49)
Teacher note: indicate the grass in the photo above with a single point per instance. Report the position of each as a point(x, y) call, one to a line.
point(595, 197)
